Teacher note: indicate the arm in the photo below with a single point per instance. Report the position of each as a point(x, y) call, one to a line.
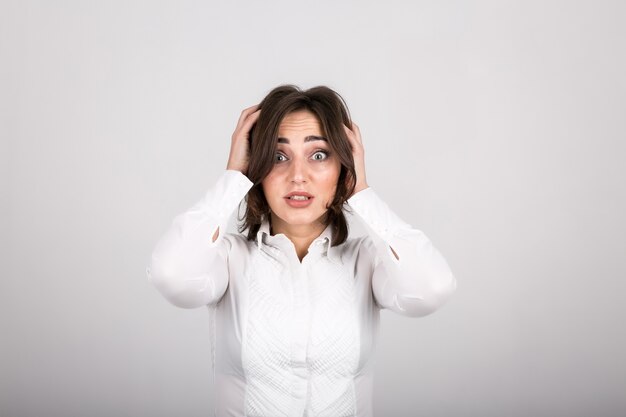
point(188, 265)
point(410, 277)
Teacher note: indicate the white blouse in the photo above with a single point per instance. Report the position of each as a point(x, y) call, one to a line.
point(293, 338)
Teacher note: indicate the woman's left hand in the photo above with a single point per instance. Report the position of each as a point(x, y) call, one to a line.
point(358, 154)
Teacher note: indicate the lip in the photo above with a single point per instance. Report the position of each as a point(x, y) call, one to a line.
point(299, 203)
point(304, 193)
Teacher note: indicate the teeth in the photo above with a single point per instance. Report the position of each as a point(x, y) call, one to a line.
point(298, 197)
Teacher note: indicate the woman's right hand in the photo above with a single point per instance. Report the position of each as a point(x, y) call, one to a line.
point(240, 146)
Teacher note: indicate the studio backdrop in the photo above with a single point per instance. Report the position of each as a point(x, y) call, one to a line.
point(496, 128)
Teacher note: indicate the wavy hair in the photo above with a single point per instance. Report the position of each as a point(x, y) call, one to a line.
point(332, 112)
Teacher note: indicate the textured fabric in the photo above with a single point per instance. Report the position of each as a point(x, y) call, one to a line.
point(293, 338)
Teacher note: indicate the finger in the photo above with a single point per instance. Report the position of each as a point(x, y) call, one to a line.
point(250, 120)
point(357, 132)
point(251, 108)
point(245, 113)
point(353, 136)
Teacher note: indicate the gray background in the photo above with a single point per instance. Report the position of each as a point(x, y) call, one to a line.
point(496, 127)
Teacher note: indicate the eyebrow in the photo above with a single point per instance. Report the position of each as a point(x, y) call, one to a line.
point(307, 139)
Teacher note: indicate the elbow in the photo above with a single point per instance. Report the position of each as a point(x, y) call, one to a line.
point(185, 291)
point(427, 302)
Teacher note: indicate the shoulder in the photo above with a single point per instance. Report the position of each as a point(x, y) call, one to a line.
point(357, 247)
point(367, 252)
point(363, 244)
point(241, 252)
point(357, 255)
point(238, 241)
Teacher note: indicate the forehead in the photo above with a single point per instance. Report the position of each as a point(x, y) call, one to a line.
point(300, 121)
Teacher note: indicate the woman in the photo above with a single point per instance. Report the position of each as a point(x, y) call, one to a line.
point(295, 303)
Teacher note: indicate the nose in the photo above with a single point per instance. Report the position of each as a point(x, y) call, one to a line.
point(297, 171)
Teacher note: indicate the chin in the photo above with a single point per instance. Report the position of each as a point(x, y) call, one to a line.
point(299, 216)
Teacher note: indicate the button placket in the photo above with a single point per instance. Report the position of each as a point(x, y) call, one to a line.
point(301, 318)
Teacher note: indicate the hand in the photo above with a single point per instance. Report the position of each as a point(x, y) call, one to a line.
point(240, 147)
point(358, 154)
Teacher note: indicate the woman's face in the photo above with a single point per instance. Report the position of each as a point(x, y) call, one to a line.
point(303, 162)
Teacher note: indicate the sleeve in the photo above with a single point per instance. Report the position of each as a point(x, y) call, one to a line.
point(418, 280)
point(186, 266)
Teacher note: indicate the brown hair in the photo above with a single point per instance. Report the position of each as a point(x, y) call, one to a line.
point(332, 112)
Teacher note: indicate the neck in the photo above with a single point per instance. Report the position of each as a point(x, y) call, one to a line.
point(301, 235)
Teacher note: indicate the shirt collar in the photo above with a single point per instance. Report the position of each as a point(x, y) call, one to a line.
point(264, 238)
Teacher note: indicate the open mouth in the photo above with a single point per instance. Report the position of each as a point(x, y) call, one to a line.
point(299, 201)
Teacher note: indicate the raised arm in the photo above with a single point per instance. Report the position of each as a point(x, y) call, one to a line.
point(410, 277)
point(189, 262)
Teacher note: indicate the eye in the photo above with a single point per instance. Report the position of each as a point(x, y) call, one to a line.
point(325, 153)
point(278, 155)
point(321, 152)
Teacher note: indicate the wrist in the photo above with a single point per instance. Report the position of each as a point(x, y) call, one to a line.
point(235, 168)
point(360, 187)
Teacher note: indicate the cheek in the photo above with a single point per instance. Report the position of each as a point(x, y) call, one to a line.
point(329, 180)
point(328, 171)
